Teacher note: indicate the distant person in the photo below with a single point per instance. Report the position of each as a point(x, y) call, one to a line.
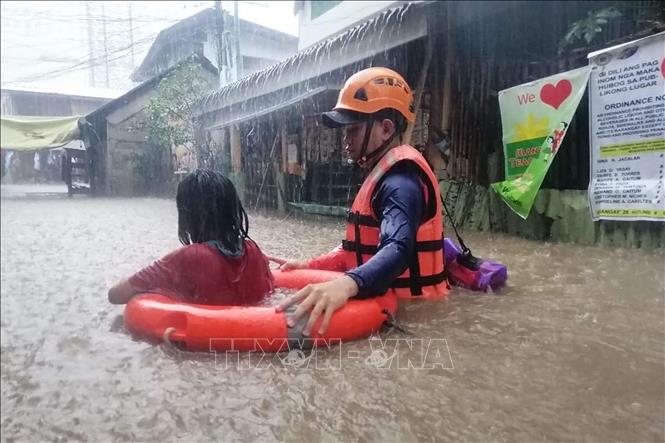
point(219, 264)
point(65, 167)
point(37, 167)
point(7, 165)
point(11, 162)
point(52, 168)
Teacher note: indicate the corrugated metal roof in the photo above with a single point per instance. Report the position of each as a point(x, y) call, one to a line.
point(235, 116)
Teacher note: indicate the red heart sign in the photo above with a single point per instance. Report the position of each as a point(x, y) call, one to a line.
point(555, 95)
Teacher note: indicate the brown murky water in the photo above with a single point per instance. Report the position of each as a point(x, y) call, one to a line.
point(573, 349)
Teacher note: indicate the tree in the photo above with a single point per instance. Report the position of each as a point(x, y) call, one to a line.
point(170, 124)
point(588, 27)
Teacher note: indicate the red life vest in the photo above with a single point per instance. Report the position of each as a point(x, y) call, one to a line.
point(424, 278)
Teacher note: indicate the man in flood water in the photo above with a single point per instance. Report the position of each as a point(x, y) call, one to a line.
point(394, 230)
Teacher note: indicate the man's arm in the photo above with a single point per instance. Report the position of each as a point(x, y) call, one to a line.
point(331, 261)
point(400, 201)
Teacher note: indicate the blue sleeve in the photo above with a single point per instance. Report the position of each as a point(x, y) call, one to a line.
point(399, 203)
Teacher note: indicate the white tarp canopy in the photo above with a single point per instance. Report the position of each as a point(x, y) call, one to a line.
point(23, 133)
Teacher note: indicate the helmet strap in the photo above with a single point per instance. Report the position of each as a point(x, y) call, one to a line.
point(362, 160)
point(364, 157)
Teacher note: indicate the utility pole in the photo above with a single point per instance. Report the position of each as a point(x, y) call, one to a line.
point(90, 49)
point(131, 32)
point(219, 31)
point(237, 26)
point(106, 45)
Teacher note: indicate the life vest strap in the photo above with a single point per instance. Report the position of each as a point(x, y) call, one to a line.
point(421, 246)
point(429, 246)
point(362, 220)
point(356, 247)
point(356, 233)
point(426, 280)
point(414, 275)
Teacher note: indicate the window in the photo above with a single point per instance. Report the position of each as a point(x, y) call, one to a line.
point(321, 7)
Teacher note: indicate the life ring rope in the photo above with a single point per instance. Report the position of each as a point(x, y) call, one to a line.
point(166, 336)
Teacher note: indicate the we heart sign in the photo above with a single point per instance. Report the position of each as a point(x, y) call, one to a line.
point(535, 117)
point(532, 112)
point(555, 95)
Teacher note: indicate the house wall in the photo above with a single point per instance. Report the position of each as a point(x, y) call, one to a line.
point(126, 141)
point(252, 64)
point(176, 53)
point(122, 177)
point(257, 50)
point(83, 106)
point(265, 46)
point(260, 48)
point(124, 138)
point(47, 104)
point(7, 104)
point(340, 16)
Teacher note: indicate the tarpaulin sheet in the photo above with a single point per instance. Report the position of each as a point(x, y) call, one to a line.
point(23, 133)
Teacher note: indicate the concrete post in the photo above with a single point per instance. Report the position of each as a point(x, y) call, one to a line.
point(236, 174)
point(281, 174)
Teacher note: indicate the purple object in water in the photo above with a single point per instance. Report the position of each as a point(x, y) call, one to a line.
point(450, 250)
point(489, 275)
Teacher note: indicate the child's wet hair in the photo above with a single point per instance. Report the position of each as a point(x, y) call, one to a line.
point(209, 209)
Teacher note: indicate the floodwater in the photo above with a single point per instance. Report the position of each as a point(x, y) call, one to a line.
point(572, 350)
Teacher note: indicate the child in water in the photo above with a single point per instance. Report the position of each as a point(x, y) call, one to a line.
point(219, 264)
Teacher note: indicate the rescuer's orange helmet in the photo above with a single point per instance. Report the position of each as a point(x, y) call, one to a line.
point(367, 92)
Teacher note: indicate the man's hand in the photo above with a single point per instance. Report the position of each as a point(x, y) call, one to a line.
point(321, 298)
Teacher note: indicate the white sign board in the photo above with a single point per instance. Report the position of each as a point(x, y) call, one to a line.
point(627, 131)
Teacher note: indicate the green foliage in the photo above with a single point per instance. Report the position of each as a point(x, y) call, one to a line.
point(169, 122)
point(169, 115)
point(150, 175)
point(589, 27)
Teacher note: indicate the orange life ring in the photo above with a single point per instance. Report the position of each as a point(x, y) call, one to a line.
point(251, 328)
